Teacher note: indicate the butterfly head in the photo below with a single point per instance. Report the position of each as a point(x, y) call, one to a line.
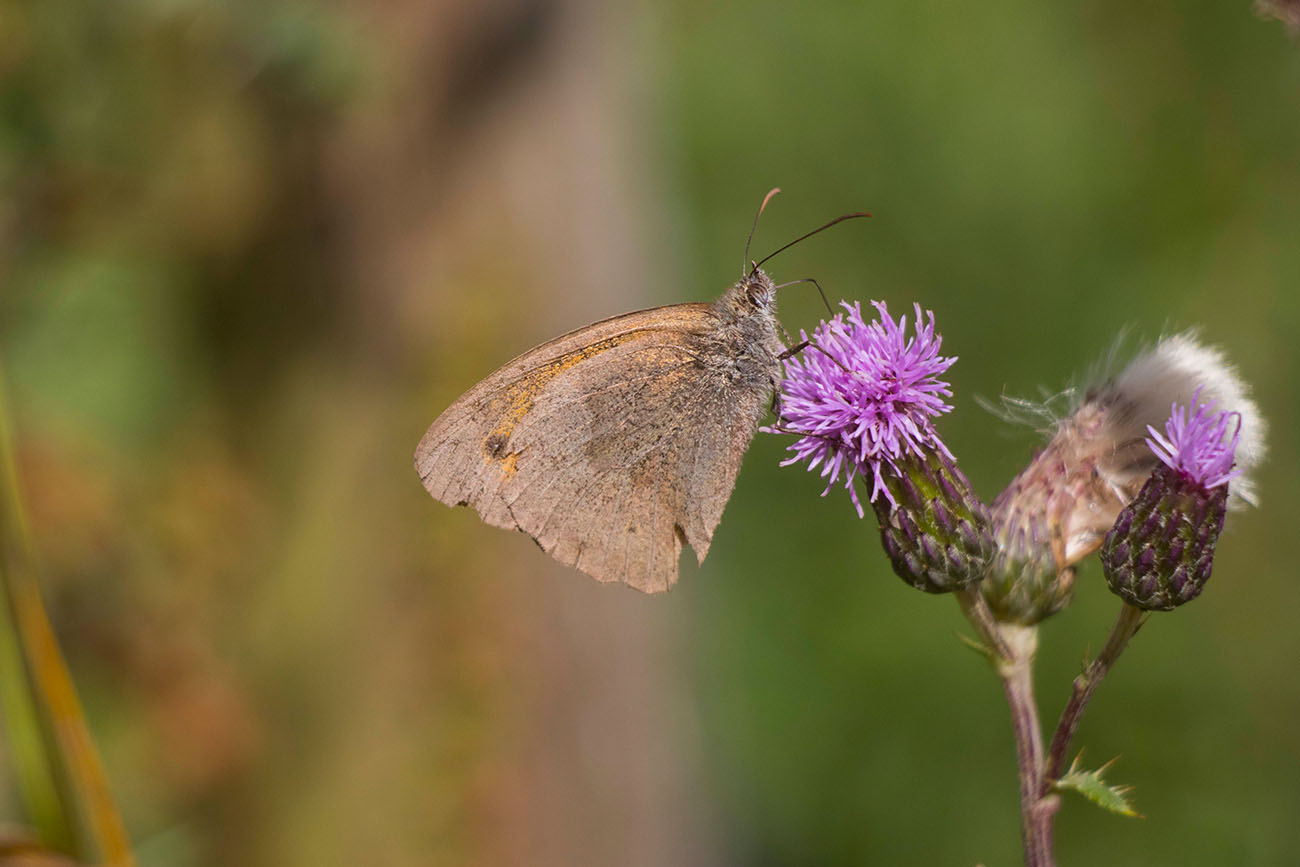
point(758, 290)
point(753, 296)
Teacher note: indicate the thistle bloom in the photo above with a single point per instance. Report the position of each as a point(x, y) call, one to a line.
point(864, 396)
point(1197, 444)
point(1160, 552)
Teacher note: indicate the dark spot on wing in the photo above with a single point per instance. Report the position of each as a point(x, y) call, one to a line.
point(495, 445)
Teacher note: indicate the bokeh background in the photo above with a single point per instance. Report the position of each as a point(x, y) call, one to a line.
point(248, 251)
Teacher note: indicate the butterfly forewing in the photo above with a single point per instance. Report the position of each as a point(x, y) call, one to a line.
point(609, 446)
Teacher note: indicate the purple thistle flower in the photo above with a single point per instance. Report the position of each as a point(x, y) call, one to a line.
point(1160, 552)
point(1197, 442)
point(863, 396)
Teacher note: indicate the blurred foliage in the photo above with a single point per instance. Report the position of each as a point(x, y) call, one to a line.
point(220, 368)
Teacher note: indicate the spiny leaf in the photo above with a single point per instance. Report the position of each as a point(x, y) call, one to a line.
point(979, 647)
point(1094, 787)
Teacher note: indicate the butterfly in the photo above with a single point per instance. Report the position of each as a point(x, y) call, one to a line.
point(614, 444)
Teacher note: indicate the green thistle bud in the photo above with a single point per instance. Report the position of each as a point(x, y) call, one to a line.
point(1029, 590)
point(1160, 552)
point(936, 532)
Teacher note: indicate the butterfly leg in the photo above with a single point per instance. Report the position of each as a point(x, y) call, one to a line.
point(775, 408)
point(794, 350)
point(829, 309)
point(776, 386)
point(808, 344)
point(781, 429)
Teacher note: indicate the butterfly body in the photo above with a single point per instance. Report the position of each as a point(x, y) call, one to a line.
point(613, 444)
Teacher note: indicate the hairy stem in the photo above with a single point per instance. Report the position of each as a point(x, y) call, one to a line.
point(1036, 811)
point(971, 600)
point(1126, 626)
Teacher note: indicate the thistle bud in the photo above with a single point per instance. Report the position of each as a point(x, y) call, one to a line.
point(933, 528)
point(1286, 11)
point(862, 399)
point(1160, 551)
point(1059, 509)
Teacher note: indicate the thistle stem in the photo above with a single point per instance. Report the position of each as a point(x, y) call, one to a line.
point(971, 600)
point(1126, 626)
point(1036, 810)
point(1011, 648)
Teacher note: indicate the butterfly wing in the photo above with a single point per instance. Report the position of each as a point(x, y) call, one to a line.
point(610, 446)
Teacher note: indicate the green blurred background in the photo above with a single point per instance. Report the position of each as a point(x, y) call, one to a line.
point(248, 251)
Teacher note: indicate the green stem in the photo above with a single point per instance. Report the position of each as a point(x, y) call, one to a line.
point(30, 756)
point(971, 600)
point(1011, 648)
point(1126, 626)
point(1036, 811)
point(33, 754)
point(60, 776)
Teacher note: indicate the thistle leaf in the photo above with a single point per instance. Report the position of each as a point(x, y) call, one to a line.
point(979, 647)
point(1093, 786)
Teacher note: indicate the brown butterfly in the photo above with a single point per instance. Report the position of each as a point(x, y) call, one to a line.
point(614, 444)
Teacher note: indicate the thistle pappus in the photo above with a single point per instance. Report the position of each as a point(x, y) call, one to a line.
point(1060, 507)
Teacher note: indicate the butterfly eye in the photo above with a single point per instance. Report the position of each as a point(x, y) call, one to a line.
point(759, 295)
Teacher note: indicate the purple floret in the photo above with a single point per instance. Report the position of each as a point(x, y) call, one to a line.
point(863, 395)
point(1198, 443)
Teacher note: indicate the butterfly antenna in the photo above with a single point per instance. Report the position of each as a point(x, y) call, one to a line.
point(815, 283)
point(822, 228)
point(770, 193)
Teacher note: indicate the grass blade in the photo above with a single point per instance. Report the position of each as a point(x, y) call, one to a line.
point(58, 767)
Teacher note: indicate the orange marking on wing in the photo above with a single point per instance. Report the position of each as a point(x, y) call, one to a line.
point(522, 395)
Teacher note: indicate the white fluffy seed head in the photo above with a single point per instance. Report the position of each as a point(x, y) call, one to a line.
point(1060, 507)
point(1171, 372)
